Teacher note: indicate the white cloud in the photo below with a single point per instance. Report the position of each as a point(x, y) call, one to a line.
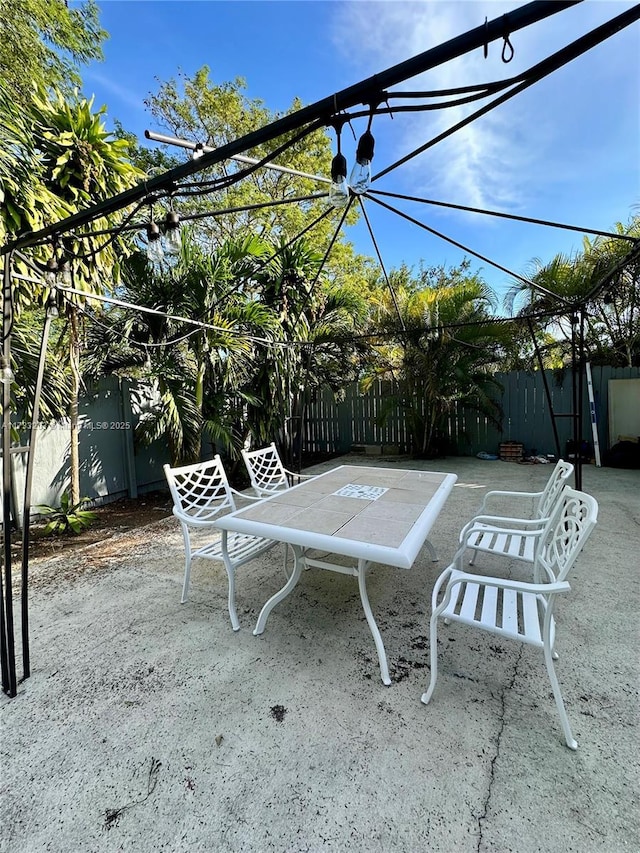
point(497, 160)
point(124, 94)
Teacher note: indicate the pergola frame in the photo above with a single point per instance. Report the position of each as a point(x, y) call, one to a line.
point(327, 112)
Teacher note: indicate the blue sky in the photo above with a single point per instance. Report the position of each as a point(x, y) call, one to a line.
point(567, 149)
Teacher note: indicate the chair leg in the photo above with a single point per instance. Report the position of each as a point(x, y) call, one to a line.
point(187, 567)
point(434, 660)
point(187, 577)
point(557, 695)
point(554, 653)
point(473, 557)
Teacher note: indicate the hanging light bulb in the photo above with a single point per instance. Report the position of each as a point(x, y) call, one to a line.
point(172, 240)
point(6, 374)
point(64, 275)
point(339, 190)
point(51, 272)
point(154, 246)
point(198, 151)
point(52, 306)
point(360, 178)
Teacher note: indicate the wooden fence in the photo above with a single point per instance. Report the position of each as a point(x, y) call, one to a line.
point(336, 425)
point(112, 466)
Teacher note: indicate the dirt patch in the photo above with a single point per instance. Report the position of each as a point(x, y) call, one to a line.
point(113, 520)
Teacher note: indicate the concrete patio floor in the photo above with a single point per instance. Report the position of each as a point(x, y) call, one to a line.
point(148, 725)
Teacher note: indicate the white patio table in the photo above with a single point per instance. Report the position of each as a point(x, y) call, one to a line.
point(375, 515)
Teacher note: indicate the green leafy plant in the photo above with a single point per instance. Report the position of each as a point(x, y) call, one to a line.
point(67, 518)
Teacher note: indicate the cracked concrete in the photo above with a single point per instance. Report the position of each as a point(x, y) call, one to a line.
point(483, 817)
point(151, 726)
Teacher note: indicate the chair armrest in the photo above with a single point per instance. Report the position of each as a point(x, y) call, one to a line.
point(194, 522)
point(299, 476)
point(499, 519)
point(470, 529)
point(244, 495)
point(506, 583)
point(496, 522)
point(506, 494)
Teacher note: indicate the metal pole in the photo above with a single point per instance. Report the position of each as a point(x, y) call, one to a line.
point(319, 114)
point(26, 507)
point(592, 410)
point(575, 370)
point(547, 390)
point(579, 418)
point(239, 158)
point(7, 628)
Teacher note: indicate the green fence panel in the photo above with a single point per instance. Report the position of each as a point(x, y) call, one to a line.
point(335, 427)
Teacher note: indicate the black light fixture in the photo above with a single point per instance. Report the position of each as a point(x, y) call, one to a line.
point(154, 247)
point(52, 305)
point(57, 272)
point(360, 178)
point(51, 271)
point(339, 189)
point(64, 274)
point(172, 239)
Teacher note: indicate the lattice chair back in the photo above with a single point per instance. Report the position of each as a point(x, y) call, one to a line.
point(555, 484)
point(266, 471)
point(200, 491)
point(201, 494)
point(574, 518)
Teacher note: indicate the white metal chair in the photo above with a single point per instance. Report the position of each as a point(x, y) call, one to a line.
point(201, 494)
point(518, 610)
point(267, 473)
point(268, 476)
point(516, 536)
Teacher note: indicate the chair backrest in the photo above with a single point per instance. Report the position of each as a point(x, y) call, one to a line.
point(552, 491)
point(266, 471)
point(200, 491)
point(566, 533)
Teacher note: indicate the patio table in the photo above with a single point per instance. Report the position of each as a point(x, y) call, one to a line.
point(375, 515)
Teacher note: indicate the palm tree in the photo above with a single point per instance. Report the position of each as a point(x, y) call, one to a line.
point(196, 370)
point(440, 345)
point(314, 319)
point(612, 315)
point(72, 163)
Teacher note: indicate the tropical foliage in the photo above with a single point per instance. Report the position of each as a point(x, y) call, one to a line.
point(439, 344)
point(189, 365)
point(68, 517)
point(315, 319)
point(272, 329)
point(605, 276)
point(44, 42)
point(199, 110)
point(74, 163)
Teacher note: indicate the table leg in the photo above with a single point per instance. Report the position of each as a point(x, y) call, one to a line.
point(431, 550)
point(363, 565)
point(298, 565)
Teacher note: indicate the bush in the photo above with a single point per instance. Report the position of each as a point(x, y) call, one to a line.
point(66, 518)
